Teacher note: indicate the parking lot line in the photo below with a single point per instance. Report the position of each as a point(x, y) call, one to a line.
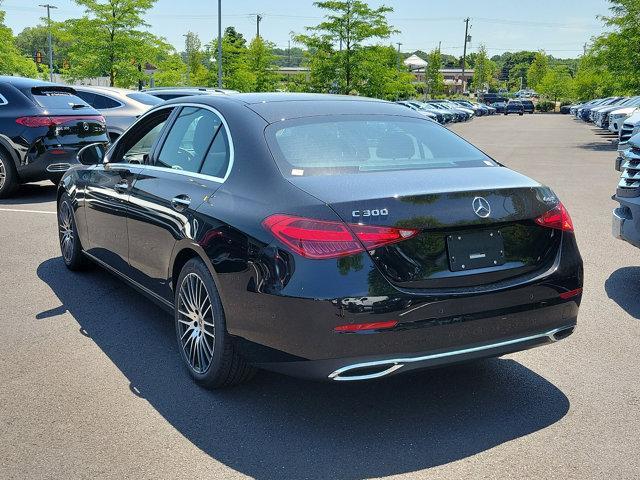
point(25, 211)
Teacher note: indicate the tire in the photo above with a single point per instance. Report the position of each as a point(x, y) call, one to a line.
point(8, 175)
point(70, 246)
point(206, 349)
point(521, 114)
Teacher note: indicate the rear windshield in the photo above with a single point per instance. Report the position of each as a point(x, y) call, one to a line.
point(58, 99)
point(145, 98)
point(334, 145)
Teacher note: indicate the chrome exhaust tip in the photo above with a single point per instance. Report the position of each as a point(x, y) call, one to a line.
point(365, 371)
point(58, 167)
point(560, 333)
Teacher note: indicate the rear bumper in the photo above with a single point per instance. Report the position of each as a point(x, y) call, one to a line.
point(51, 163)
point(369, 368)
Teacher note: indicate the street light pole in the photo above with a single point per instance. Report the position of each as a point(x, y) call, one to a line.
point(49, 7)
point(219, 43)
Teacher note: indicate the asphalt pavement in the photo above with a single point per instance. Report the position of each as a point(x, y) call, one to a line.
point(91, 385)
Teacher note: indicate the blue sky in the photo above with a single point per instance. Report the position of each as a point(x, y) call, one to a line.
point(559, 27)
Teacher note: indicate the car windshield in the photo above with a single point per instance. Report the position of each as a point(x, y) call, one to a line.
point(334, 145)
point(144, 98)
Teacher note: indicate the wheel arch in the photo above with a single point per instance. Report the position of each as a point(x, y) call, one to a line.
point(182, 253)
point(9, 151)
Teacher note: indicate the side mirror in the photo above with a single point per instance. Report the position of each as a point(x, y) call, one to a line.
point(92, 154)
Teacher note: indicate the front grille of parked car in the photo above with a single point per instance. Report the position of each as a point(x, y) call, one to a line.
point(629, 184)
point(625, 132)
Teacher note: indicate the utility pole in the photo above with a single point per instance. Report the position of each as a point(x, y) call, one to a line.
point(258, 20)
point(584, 49)
point(186, 49)
point(464, 52)
point(49, 7)
point(399, 58)
point(440, 46)
point(289, 54)
point(219, 43)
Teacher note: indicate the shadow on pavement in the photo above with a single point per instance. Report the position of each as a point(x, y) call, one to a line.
point(611, 146)
point(623, 287)
point(30, 193)
point(279, 427)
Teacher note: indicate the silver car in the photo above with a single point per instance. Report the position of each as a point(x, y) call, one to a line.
point(119, 106)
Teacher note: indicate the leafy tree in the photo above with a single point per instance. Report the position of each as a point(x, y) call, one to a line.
point(261, 63)
point(12, 62)
point(108, 40)
point(593, 79)
point(517, 72)
point(484, 69)
point(353, 25)
point(556, 84)
point(171, 71)
point(379, 76)
point(433, 78)
point(36, 39)
point(537, 70)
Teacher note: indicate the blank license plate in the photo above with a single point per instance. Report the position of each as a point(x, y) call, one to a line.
point(468, 251)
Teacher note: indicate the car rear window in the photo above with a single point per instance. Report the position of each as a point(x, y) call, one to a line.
point(57, 99)
point(334, 145)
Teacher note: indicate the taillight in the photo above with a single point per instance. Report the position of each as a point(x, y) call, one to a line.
point(322, 239)
point(52, 121)
point(557, 218)
point(363, 327)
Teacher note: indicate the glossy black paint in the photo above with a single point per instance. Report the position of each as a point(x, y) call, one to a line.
point(34, 149)
point(282, 308)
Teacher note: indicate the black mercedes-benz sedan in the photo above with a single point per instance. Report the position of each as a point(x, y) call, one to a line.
point(322, 236)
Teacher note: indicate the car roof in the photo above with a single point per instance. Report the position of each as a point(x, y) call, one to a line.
point(274, 107)
point(22, 82)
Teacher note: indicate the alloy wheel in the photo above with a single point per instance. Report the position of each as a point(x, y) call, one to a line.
point(196, 325)
point(3, 174)
point(65, 222)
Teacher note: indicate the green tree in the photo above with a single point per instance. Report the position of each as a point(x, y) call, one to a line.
point(433, 78)
point(171, 71)
point(109, 40)
point(35, 39)
point(593, 79)
point(353, 25)
point(537, 70)
point(484, 69)
point(379, 76)
point(556, 84)
point(260, 62)
point(12, 62)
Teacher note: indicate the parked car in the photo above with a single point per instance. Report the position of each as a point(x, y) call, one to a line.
point(119, 106)
point(500, 107)
point(514, 106)
point(528, 105)
point(491, 98)
point(460, 115)
point(42, 127)
point(626, 217)
point(247, 215)
point(630, 127)
point(427, 112)
point(169, 93)
point(619, 116)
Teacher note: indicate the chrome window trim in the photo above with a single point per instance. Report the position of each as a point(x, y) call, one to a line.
point(3, 100)
point(184, 172)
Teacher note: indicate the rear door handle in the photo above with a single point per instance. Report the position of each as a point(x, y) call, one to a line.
point(180, 202)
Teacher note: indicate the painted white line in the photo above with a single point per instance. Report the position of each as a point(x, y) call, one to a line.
point(25, 211)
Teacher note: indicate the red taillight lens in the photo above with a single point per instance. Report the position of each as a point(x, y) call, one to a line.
point(571, 294)
point(557, 218)
point(362, 327)
point(48, 121)
point(321, 239)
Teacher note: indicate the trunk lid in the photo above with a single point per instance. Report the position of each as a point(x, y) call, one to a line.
point(455, 247)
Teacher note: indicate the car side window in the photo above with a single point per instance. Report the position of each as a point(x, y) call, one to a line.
point(189, 139)
point(216, 162)
point(135, 145)
point(104, 103)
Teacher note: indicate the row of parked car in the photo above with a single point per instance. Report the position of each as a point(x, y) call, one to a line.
point(620, 115)
point(43, 125)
